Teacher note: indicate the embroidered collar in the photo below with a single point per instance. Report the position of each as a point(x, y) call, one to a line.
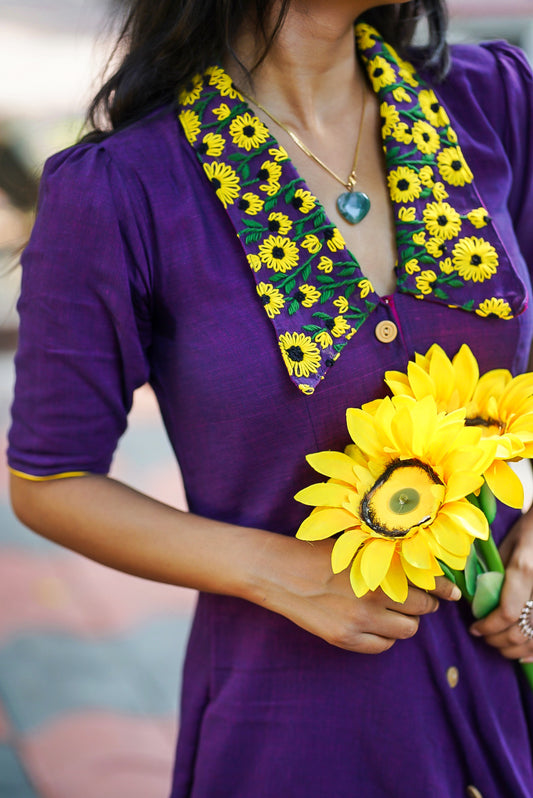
point(311, 286)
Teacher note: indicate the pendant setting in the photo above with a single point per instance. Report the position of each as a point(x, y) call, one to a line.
point(353, 206)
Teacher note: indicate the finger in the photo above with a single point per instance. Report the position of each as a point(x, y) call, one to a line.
point(512, 637)
point(516, 591)
point(446, 590)
point(418, 602)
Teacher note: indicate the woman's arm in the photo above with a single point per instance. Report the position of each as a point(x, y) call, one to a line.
point(120, 527)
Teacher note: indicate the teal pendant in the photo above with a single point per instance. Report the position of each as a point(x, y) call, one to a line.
point(353, 206)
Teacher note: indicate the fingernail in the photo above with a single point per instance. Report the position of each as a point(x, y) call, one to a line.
point(436, 607)
point(475, 632)
point(526, 660)
point(455, 594)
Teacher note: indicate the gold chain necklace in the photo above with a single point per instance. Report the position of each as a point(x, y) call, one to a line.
point(352, 205)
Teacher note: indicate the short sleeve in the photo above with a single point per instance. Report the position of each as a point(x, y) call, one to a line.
point(84, 318)
point(517, 136)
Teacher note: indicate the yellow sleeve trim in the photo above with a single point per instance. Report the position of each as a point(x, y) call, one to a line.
point(33, 478)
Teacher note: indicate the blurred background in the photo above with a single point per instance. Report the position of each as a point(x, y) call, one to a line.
point(90, 660)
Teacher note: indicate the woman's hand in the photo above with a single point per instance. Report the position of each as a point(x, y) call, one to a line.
point(297, 582)
point(500, 629)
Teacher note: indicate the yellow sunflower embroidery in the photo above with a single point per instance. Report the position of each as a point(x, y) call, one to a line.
point(407, 70)
point(365, 288)
point(279, 253)
point(191, 91)
point(270, 172)
point(341, 303)
point(310, 294)
point(224, 180)
point(190, 122)
point(494, 307)
point(420, 238)
point(300, 353)
point(439, 192)
point(255, 262)
point(213, 144)
point(325, 264)
point(425, 280)
point(436, 247)
point(452, 135)
point(271, 298)
point(432, 109)
point(324, 339)
point(334, 239)
point(365, 36)
point(381, 73)
point(404, 184)
point(389, 118)
point(279, 153)
point(426, 176)
point(479, 217)
point(279, 223)
point(407, 214)
point(303, 201)
point(400, 95)
point(441, 220)
point(412, 266)
point(475, 259)
point(248, 132)
point(453, 167)
point(224, 83)
point(222, 112)
point(402, 133)
point(312, 243)
point(338, 326)
point(425, 137)
point(446, 266)
point(251, 204)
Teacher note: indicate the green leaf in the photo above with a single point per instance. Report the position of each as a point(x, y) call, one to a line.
point(311, 328)
point(253, 235)
point(324, 278)
point(347, 272)
point(487, 595)
point(253, 223)
point(290, 286)
point(327, 293)
point(306, 273)
point(293, 307)
point(487, 502)
point(471, 572)
point(448, 573)
point(440, 294)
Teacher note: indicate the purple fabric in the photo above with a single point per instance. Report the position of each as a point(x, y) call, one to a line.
point(133, 273)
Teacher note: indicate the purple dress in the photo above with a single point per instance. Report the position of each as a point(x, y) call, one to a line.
point(134, 272)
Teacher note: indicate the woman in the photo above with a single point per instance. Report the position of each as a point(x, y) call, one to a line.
point(139, 269)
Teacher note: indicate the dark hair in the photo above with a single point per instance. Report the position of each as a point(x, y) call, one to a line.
point(166, 42)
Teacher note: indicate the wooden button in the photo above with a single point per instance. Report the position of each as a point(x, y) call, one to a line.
point(452, 674)
point(386, 331)
point(473, 792)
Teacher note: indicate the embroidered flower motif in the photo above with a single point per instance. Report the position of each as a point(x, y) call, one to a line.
point(222, 112)
point(453, 167)
point(425, 137)
point(432, 109)
point(190, 122)
point(365, 36)
point(325, 264)
point(404, 184)
point(223, 82)
point(341, 303)
point(365, 288)
point(334, 239)
point(412, 266)
point(452, 135)
point(475, 259)
point(441, 220)
point(400, 95)
point(389, 118)
point(436, 247)
point(427, 178)
point(212, 144)
point(402, 133)
point(279, 153)
point(279, 223)
point(270, 171)
point(307, 295)
point(191, 91)
point(478, 217)
point(248, 132)
point(496, 308)
point(312, 243)
point(300, 353)
point(224, 180)
point(271, 298)
point(306, 389)
point(303, 201)
point(254, 261)
point(337, 326)
point(439, 192)
point(420, 238)
point(278, 253)
point(407, 71)
point(381, 73)
point(446, 266)
point(250, 203)
point(407, 214)
point(425, 280)
point(324, 339)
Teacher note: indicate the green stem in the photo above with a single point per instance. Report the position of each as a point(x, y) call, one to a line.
point(491, 555)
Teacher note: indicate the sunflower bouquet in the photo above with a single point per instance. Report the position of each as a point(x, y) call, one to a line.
point(414, 495)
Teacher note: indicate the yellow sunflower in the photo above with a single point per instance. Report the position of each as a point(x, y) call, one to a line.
point(432, 109)
point(324, 339)
point(338, 326)
point(222, 112)
point(272, 299)
point(412, 266)
point(213, 144)
point(365, 288)
point(307, 295)
point(279, 253)
point(427, 178)
point(334, 239)
point(425, 137)
point(341, 303)
point(436, 247)
point(425, 280)
point(498, 405)
point(497, 308)
point(254, 262)
point(397, 496)
point(402, 133)
point(407, 214)
point(303, 200)
point(248, 132)
point(479, 217)
point(407, 71)
point(223, 82)
point(225, 181)
point(270, 172)
point(389, 118)
point(251, 204)
point(420, 238)
point(404, 184)
point(365, 35)
point(475, 259)
point(325, 264)
point(439, 192)
point(279, 223)
point(300, 353)
point(312, 243)
point(453, 167)
point(400, 95)
point(191, 91)
point(381, 73)
point(441, 220)
point(279, 153)
point(190, 122)
point(446, 266)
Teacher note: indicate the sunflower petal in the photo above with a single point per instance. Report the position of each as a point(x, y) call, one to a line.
point(442, 374)
point(466, 373)
point(451, 536)
point(362, 432)
point(505, 484)
point(394, 584)
point(345, 549)
point(454, 561)
point(416, 551)
point(324, 494)
point(375, 561)
point(398, 383)
point(333, 464)
point(325, 523)
point(465, 516)
point(461, 483)
point(421, 383)
point(418, 576)
point(358, 583)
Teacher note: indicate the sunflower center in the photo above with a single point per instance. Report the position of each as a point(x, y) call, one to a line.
point(243, 205)
point(403, 184)
point(475, 260)
point(249, 131)
point(274, 226)
point(295, 354)
point(425, 136)
point(435, 107)
point(263, 174)
point(442, 220)
point(299, 296)
point(456, 165)
point(378, 72)
point(297, 203)
point(216, 182)
point(278, 253)
point(408, 494)
point(479, 421)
